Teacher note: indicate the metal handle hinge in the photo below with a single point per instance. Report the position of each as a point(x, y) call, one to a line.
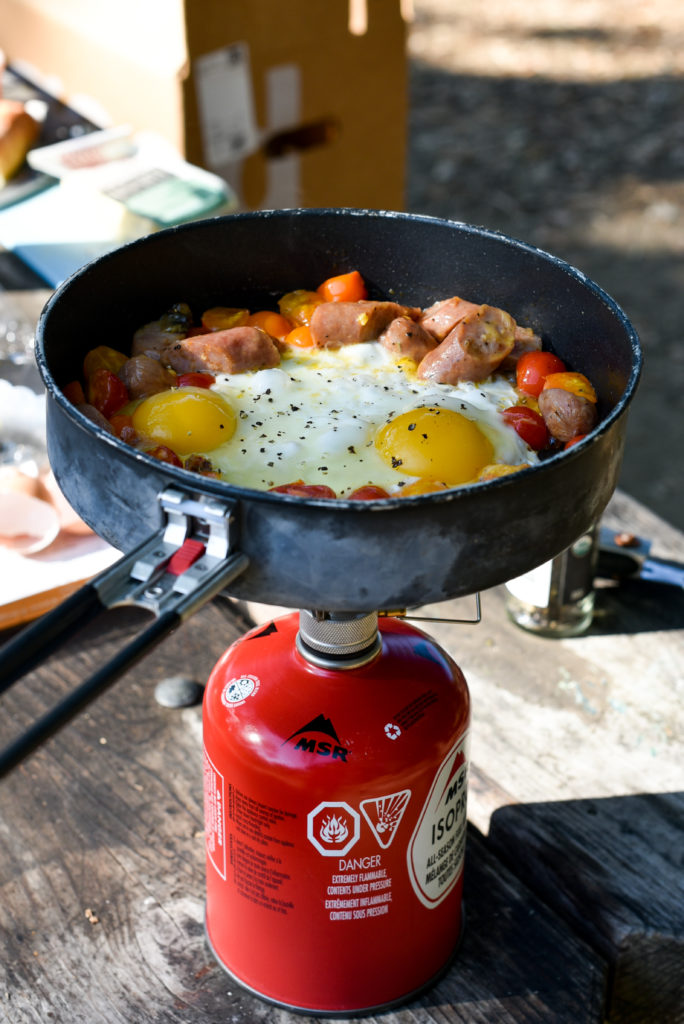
point(186, 563)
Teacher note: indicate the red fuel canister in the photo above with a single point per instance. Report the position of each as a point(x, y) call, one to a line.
point(335, 804)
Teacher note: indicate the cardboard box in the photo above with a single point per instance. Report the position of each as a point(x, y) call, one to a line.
point(283, 100)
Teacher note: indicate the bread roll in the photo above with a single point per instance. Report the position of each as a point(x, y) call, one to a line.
point(18, 132)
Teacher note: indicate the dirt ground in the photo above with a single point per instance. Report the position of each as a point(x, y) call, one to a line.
point(561, 122)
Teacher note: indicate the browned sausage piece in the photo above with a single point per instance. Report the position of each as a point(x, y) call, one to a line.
point(441, 318)
point(566, 415)
point(473, 350)
point(404, 337)
point(346, 323)
point(234, 350)
point(525, 340)
point(145, 376)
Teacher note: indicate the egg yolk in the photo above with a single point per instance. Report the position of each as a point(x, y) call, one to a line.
point(436, 443)
point(187, 420)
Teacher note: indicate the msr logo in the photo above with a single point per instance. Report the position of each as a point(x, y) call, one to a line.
point(318, 737)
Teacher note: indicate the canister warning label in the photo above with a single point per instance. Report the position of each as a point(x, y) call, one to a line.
point(215, 815)
point(437, 847)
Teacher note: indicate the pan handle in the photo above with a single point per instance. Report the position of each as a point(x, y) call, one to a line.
point(173, 573)
point(30, 647)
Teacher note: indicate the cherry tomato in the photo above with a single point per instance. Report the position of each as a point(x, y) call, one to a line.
point(302, 490)
point(273, 323)
point(74, 392)
point(533, 368)
point(369, 492)
point(298, 306)
point(103, 358)
point(106, 392)
point(574, 440)
point(343, 288)
point(220, 318)
point(577, 383)
point(528, 424)
point(119, 421)
point(301, 337)
point(164, 454)
point(195, 380)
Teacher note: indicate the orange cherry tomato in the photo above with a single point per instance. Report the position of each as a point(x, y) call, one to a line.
point(574, 440)
point(301, 337)
point(74, 392)
point(369, 492)
point(533, 368)
point(221, 318)
point(164, 454)
point(528, 424)
point(274, 324)
point(343, 288)
point(298, 306)
point(195, 380)
point(577, 383)
point(302, 490)
point(119, 422)
point(106, 392)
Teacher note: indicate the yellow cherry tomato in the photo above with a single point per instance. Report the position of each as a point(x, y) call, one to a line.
point(569, 381)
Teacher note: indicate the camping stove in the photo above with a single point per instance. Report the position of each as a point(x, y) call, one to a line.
point(335, 797)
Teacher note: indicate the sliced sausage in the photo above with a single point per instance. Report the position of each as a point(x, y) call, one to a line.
point(473, 349)
point(525, 340)
point(346, 323)
point(405, 337)
point(235, 350)
point(566, 414)
point(145, 376)
point(441, 318)
point(152, 338)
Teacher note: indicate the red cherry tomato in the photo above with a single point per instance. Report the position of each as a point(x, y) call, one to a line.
point(106, 392)
point(195, 380)
point(164, 454)
point(533, 368)
point(368, 493)
point(573, 440)
point(528, 424)
point(302, 490)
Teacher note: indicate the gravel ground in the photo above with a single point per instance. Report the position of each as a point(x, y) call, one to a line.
point(561, 122)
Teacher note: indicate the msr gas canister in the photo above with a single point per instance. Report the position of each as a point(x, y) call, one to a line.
point(336, 768)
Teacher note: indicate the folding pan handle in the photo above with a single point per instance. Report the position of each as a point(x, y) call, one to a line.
point(173, 574)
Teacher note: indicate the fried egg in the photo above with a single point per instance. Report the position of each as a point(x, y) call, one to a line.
point(353, 416)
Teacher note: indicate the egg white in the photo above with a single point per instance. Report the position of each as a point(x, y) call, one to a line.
point(314, 418)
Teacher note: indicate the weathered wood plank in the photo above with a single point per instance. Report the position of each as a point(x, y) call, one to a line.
point(102, 873)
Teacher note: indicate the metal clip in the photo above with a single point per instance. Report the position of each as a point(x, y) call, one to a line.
point(402, 613)
point(143, 578)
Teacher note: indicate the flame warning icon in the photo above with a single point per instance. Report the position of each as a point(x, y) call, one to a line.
point(384, 813)
point(333, 828)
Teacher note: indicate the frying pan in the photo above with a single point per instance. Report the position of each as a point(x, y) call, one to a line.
point(344, 556)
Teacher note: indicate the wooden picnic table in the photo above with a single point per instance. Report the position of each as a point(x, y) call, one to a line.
point(574, 873)
point(574, 898)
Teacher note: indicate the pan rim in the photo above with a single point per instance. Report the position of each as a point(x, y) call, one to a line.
point(222, 488)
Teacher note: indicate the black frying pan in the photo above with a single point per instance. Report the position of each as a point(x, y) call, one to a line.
point(343, 556)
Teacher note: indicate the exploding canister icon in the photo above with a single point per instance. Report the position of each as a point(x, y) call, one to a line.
point(335, 805)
